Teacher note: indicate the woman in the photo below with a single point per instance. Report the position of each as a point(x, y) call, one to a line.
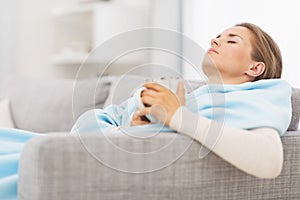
point(243, 55)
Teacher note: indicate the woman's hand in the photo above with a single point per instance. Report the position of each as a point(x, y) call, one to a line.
point(161, 102)
point(139, 118)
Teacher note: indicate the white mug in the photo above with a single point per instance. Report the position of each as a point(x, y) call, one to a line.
point(168, 82)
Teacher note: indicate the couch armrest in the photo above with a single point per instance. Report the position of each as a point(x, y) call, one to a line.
point(61, 167)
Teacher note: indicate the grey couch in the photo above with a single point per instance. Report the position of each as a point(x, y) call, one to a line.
point(63, 166)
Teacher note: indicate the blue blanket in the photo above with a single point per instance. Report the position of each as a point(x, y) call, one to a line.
point(11, 145)
point(265, 103)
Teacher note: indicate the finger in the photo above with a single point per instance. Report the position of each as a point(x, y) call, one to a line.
point(151, 93)
point(145, 111)
point(181, 92)
point(136, 114)
point(141, 112)
point(147, 100)
point(154, 86)
point(138, 122)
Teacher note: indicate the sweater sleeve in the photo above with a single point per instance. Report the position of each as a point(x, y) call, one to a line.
point(257, 152)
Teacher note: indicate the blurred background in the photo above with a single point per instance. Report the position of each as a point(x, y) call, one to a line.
point(50, 39)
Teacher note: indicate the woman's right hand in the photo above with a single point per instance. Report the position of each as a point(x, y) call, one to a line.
point(138, 118)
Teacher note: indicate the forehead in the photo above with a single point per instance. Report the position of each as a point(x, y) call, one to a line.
point(243, 32)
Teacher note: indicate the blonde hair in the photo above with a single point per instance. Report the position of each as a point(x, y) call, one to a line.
point(265, 49)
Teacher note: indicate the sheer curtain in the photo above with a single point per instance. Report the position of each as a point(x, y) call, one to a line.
point(203, 20)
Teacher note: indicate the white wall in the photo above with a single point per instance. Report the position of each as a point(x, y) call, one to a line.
point(6, 38)
point(166, 14)
point(38, 37)
point(120, 17)
point(35, 39)
point(34, 35)
point(204, 20)
point(27, 36)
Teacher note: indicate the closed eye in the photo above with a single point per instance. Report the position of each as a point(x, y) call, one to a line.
point(230, 41)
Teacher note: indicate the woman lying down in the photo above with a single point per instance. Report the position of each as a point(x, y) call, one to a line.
point(257, 108)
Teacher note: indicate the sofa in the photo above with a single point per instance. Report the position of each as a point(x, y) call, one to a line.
point(58, 165)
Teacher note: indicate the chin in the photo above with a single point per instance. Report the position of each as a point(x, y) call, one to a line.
point(209, 67)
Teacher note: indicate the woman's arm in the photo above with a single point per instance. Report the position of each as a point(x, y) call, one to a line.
point(258, 152)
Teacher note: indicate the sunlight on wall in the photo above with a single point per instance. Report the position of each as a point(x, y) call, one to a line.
point(204, 20)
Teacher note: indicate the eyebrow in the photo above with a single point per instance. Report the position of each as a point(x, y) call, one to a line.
point(234, 35)
point(231, 35)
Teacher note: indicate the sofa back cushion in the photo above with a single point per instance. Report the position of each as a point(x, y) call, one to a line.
point(5, 114)
point(46, 105)
point(295, 109)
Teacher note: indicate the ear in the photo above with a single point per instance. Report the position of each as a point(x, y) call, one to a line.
point(256, 69)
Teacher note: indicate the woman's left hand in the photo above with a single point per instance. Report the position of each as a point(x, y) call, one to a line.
point(162, 102)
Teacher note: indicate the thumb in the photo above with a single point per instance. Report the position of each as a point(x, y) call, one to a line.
point(181, 92)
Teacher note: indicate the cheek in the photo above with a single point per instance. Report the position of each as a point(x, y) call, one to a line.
point(237, 52)
point(243, 54)
point(239, 56)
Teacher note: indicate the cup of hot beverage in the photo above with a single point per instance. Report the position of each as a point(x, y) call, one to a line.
point(170, 83)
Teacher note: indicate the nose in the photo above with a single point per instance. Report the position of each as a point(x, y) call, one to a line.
point(215, 41)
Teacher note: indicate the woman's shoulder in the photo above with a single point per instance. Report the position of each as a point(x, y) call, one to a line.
point(265, 84)
point(272, 85)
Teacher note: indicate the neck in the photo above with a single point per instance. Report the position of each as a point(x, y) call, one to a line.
point(228, 80)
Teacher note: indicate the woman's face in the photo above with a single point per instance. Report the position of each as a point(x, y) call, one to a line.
point(230, 53)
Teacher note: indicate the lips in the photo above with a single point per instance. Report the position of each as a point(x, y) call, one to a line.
point(212, 50)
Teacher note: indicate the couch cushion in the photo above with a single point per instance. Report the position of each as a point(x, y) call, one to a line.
point(5, 114)
point(58, 167)
point(46, 105)
point(295, 109)
point(123, 88)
